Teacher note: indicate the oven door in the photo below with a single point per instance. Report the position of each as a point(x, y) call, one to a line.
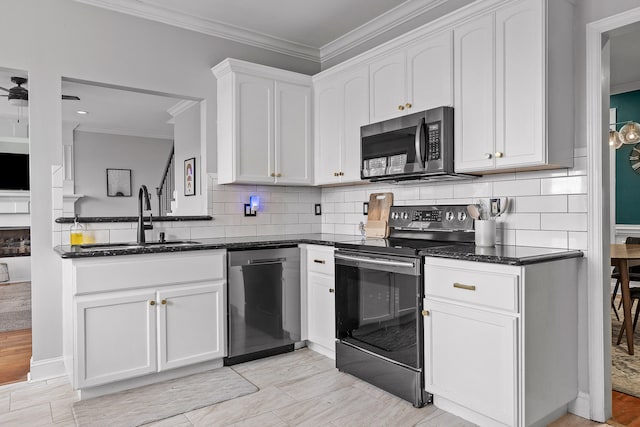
point(378, 301)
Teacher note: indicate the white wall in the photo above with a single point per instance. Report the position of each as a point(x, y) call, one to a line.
point(95, 152)
point(66, 38)
point(187, 137)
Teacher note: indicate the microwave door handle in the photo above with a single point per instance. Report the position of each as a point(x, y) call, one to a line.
point(418, 143)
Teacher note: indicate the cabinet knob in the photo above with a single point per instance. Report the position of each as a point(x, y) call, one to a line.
point(400, 107)
point(273, 174)
point(425, 313)
point(336, 174)
point(341, 173)
point(499, 154)
point(331, 290)
point(487, 155)
point(152, 303)
point(163, 302)
point(408, 105)
point(278, 175)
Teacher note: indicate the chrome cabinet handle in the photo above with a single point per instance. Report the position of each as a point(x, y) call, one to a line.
point(465, 287)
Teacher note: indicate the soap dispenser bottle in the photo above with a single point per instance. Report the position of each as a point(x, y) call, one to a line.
point(77, 232)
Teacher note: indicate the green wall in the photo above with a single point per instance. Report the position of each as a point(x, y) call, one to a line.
point(627, 181)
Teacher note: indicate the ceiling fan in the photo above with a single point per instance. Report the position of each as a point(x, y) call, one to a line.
point(19, 96)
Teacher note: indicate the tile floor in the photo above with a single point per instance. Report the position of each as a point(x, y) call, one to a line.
point(297, 389)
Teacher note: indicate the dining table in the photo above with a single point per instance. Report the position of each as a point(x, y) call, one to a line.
point(622, 256)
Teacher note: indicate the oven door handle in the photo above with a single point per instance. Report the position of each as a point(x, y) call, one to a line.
point(376, 261)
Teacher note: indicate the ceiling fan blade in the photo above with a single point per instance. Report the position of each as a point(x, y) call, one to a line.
point(6, 90)
point(70, 98)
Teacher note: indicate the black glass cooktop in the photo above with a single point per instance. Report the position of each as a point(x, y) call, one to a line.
point(397, 246)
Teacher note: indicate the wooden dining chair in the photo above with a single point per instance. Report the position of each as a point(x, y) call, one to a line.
point(634, 276)
point(635, 296)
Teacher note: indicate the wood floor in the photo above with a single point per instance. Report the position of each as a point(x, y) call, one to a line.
point(626, 410)
point(15, 354)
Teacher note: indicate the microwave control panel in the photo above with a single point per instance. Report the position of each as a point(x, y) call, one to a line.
point(433, 141)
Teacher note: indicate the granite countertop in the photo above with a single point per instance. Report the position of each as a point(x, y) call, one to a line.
point(91, 251)
point(510, 255)
point(90, 219)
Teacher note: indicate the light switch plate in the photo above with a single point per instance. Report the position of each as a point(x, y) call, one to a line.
point(365, 208)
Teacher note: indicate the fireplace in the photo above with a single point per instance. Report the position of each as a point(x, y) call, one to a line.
point(15, 241)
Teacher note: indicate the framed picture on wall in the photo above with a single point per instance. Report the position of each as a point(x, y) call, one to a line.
point(190, 177)
point(119, 182)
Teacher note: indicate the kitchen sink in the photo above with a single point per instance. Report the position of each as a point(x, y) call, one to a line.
point(133, 245)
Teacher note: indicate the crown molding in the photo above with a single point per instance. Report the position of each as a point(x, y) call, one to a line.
point(180, 107)
point(368, 31)
point(125, 132)
point(208, 26)
point(377, 26)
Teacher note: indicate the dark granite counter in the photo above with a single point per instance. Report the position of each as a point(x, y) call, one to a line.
point(89, 219)
point(229, 243)
point(510, 255)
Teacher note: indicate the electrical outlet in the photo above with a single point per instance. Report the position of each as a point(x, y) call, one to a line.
point(365, 208)
point(495, 206)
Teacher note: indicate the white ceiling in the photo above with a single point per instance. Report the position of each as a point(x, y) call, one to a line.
point(110, 110)
point(309, 29)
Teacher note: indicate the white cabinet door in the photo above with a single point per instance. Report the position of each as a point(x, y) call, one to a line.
point(387, 87)
point(292, 134)
point(430, 73)
point(470, 358)
point(474, 95)
point(254, 138)
point(328, 131)
point(356, 114)
point(115, 337)
point(520, 71)
point(190, 324)
point(321, 310)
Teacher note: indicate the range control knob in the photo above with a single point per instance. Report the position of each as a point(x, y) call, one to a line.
point(405, 215)
point(462, 215)
point(449, 216)
point(394, 215)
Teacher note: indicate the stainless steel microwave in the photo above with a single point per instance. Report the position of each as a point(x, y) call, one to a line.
point(416, 146)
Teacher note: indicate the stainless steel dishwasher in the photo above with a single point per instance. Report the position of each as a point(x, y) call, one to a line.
point(263, 302)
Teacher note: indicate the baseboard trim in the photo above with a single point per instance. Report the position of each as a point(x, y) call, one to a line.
point(581, 406)
point(46, 369)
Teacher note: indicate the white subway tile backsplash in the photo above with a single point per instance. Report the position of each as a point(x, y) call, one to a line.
point(299, 208)
point(119, 236)
point(562, 222)
point(406, 193)
point(579, 167)
point(356, 196)
point(476, 189)
point(348, 207)
point(578, 240)
point(207, 232)
point(297, 228)
point(547, 239)
point(539, 204)
point(240, 231)
point(578, 203)
point(565, 185)
point(346, 229)
point(328, 228)
point(337, 218)
point(519, 221)
point(525, 187)
point(309, 219)
point(284, 197)
point(271, 230)
point(436, 192)
point(333, 196)
point(284, 219)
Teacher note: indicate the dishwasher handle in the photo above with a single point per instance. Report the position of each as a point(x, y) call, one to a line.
point(266, 261)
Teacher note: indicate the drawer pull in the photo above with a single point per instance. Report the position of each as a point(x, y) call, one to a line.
point(163, 302)
point(319, 261)
point(425, 313)
point(331, 290)
point(466, 287)
point(152, 303)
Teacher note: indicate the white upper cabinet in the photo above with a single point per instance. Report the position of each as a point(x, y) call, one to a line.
point(417, 78)
point(264, 124)
point(513, 93)
point(341, 108)
point(473, 111)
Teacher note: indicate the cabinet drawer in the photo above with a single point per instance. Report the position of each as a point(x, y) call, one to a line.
point(495, 290)
point(320, 260)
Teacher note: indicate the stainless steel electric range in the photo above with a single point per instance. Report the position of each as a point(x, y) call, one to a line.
point(379, 294)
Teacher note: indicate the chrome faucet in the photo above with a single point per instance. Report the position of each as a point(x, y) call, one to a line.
point(143, 192)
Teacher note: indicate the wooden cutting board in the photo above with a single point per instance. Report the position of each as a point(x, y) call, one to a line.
point(378, 216)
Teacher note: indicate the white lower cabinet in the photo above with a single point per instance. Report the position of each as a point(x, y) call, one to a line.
point(459, 366)
point(173, 316)
point(501, 340)
point(318, 314)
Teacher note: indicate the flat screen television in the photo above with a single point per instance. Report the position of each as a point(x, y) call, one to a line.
point(14, 171)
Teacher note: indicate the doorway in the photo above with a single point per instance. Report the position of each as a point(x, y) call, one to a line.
point(600, 234)
point(15, 233)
